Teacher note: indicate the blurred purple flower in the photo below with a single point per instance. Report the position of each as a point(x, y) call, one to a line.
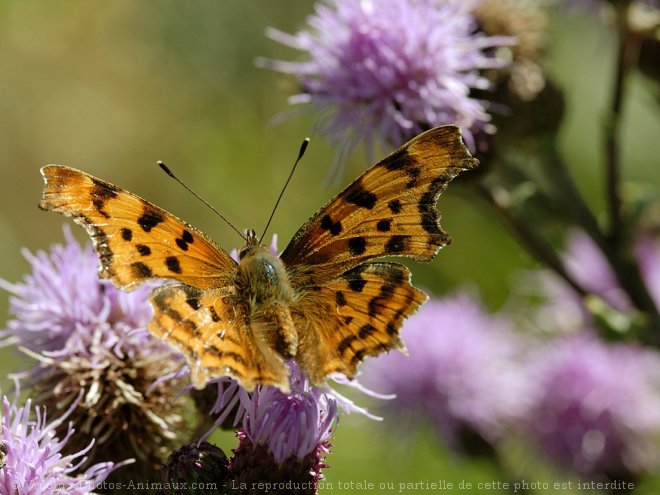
point(62, 306)
point(34, 463)
point(90, 340)
point(390, 69)
point(462, 374)
point(562, 308)
point(596, 408)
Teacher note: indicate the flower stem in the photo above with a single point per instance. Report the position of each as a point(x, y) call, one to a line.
point(626, 54)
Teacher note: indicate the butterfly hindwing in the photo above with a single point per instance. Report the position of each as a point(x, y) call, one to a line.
point(354, 316)
point(390, 210)
point(211, 329)
point(135, 240)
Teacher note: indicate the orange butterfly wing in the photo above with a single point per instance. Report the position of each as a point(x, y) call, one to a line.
point(350, 309)
point(355, 316)
point(135, 239)
point(213, 330)
point(390, 210)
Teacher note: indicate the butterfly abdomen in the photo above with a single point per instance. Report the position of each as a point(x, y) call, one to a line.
point(264, 283)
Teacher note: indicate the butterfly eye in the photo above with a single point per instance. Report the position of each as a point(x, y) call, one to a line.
point(242, 252)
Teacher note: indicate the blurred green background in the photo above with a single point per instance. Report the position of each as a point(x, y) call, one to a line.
point(111, 87)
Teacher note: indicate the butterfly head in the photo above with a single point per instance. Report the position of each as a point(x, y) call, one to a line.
point(251, 243)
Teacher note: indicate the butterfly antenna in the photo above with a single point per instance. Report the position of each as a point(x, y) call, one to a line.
point(303, 148)
point(169, 172)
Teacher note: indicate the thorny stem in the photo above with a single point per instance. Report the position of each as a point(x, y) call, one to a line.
point(534, 244)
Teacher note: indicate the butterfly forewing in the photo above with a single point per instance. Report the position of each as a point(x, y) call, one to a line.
point(390, 210)
point(135, 239)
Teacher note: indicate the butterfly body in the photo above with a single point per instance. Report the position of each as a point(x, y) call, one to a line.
point(263, 285)
point(321, 302)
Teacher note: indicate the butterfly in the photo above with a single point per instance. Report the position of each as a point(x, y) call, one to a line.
point(318, 303)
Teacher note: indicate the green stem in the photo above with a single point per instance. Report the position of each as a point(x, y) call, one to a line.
point(626, 56)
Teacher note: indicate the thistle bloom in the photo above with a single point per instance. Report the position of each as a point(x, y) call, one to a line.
point(284, 437)
point(90, 341)
point(596, 408)
point(33, 459)
point(57, 305)
point(391, 69)
point(462, 374)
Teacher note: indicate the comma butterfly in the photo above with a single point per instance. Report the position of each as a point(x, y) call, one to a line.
point(318, 303)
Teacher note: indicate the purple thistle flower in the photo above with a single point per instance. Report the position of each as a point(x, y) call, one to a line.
point(56, 306)
point(596, 408)
point(90, 341)
point(462, 373)
point(284, 437)
point(390, 69)
point(293, 424)
point(34, 462)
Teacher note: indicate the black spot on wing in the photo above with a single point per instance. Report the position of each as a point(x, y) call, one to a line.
point(340, 298)
point(354, 278)
point(150, 218)
point(396, 244)
point(345, 344)
point(126, 234)
point(413, 173)
point(384, 225)
point(357, 245)
point(182, 244)
point(102, 192)
point(172, 263)
point(394, 206)
point(140, 270)
point(398, 160)
point(366, 330)
point(143, 249)
point(359, 196)
point(185, 239)
point(328, 224)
